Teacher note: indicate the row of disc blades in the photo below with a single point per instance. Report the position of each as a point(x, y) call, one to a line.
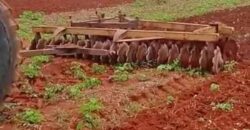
point(207, 56)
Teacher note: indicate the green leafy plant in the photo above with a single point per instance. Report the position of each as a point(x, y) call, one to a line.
point(93, 105)
point(88, 109)
point(122, 71)
point(170, 100)
point(125, 67)
point(91, 82)
point(26, 21)
point(196, 72)
point(31, 116)
point(214, 87)
point(32, 69)
point(229, 66)
point(51, 90)
point(80, 125)
point(92, 120)
point(224, 106)
point(98, 69)
point(174, 66)
point(77, 71)
point(74, 92)
point(121, 76)
point(39, 60)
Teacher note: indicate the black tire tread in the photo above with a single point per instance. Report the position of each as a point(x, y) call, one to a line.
point(8, 50)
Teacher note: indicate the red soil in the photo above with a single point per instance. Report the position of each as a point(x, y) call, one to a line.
point(193, 109)
point(49, 6)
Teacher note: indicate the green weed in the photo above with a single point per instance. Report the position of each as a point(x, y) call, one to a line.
point(39, 60)
point(125, 67)
point(225, 106)
point(51, 90)
point(77, 71)
point(80, 125)
point(32, 69)
point(26, 21)
point(93, 105)
point(174, 66)
point(91, 83)
point(122, 71)
point(74, 92)
point(229, 66)
point(92, 120)
point(170, 100)
point(121, 76)
point(98, 69)
point(31, 116)
point(196, 72)
point(88, 109)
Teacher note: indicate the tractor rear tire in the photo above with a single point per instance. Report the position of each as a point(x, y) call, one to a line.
point(8, 50)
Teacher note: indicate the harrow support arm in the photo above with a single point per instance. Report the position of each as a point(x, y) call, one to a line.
point(65, 51)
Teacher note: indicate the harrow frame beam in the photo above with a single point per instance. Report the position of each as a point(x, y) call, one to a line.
point(172, 35)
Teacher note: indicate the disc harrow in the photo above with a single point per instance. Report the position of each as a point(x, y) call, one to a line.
point(122, 40)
